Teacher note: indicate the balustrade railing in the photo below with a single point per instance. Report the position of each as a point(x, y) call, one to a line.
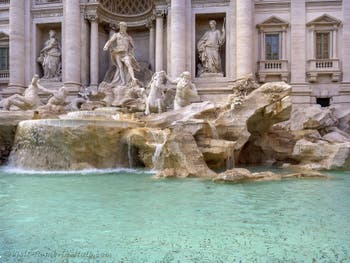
point(273, 65)
point(4, 74)
point(4, 2)
point(38, 2)
point(323, 65)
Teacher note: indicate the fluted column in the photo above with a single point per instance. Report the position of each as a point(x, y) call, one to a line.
point(72, 44)
point(17, 46)
point(298, 53)
point(244, 37)
point(346, 41)
point(94, 52)
point(151, 44)
point(178, 37)
point(159, 39)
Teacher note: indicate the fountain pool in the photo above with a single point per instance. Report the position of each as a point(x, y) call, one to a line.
point(126, 216)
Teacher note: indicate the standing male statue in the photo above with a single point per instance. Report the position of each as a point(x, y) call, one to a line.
point(209, 49)
point(121, 47)
point(50, 58)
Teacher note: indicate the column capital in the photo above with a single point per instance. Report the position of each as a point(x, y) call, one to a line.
point(149, 23)
point(160, 11)
point(92, 17)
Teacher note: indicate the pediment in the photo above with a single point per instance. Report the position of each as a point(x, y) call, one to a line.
point(273, 21)
point(4, 36)
point(324, 20)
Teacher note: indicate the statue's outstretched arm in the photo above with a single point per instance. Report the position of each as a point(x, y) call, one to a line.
point(109, 42)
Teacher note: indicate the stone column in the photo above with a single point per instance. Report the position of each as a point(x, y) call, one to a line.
point(159, 40)
point(151, 50)
point(284, 45)
point(298, 53)
point(85, 52)
point(346, 41)
point(94, 52)
point(312, 42)
point(17, 46)
point(335, 47)
point(244, 37)
point(72, 44)
point(178, 37)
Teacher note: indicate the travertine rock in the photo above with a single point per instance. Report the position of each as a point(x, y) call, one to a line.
point(261, 109)
point(68, 144)
point(182, 158)
point(8, 125)
point(194, 110)
point(217, 153)
point(322, 155)
point(312, 117)
point(242, 175)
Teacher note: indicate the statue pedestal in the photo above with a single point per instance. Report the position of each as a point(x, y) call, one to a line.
point(51, 84)
point(211, 75)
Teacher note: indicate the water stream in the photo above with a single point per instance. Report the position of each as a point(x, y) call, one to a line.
point(159, 137)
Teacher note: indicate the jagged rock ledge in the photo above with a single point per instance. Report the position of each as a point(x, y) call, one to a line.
point(237, 175)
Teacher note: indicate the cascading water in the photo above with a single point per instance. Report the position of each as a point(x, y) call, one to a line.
point(159, 138)
point(230, 159)
point(130, 159)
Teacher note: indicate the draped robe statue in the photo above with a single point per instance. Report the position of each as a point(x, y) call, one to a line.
point(209, 50)
point(50, 58)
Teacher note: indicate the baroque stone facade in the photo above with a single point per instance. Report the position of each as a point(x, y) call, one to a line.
point(303, 42)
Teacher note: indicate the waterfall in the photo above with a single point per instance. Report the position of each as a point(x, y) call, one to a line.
point(159, 138)
point(230, 158)
point(214, 132)
point(130, 160)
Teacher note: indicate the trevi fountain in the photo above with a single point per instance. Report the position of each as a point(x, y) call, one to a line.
point(86, 176)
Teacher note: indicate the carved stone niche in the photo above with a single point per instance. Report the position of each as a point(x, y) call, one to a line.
point(202, 28)
point(54, 81)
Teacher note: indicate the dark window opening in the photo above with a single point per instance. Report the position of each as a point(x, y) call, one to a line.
point(322, 45)
point(324, 102)
point(4, 58)
point(272, 46)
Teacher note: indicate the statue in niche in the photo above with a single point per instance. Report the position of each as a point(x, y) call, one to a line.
point(186, 91)
point(121, 46)
point(30, 99)
point(209, 50)
point(50, 58)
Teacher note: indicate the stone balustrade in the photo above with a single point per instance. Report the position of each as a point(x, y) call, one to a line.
point(4, 75)
point(316, 67)
point(272, 67)
point(4, 2)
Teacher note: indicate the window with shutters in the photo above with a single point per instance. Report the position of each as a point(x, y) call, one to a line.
point(4, 58)
point(322, 45)
point(272, 46)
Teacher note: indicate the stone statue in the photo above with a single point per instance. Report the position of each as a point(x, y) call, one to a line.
point(30, 99)
point(209, 50)
point(57, 103)
point(50, 58)
point(121, 47)
point(185, 90)
point(155, 101)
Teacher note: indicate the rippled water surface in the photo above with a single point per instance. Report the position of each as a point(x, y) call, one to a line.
point(130, 217)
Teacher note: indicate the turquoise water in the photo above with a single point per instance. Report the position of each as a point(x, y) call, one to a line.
point(130, 217)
